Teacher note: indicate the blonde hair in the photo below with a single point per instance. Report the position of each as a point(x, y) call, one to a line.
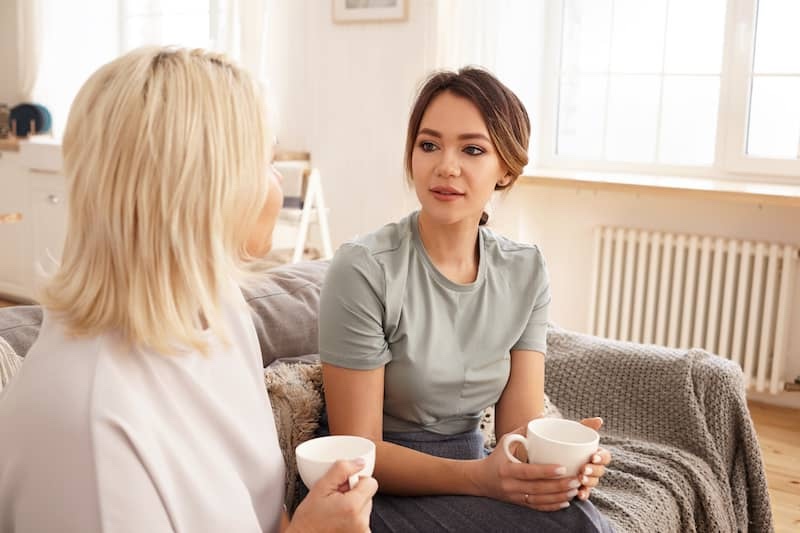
point(165, 154)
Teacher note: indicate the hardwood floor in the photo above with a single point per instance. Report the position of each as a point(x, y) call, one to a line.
point(778, 431)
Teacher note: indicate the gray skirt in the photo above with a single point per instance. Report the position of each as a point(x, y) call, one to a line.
point(471, 513)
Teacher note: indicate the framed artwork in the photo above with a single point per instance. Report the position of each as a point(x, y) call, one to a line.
point(346, 11)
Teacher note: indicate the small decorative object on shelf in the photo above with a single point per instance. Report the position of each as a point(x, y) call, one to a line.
point(29, 119)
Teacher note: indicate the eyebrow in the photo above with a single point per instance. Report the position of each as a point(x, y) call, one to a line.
point(463, 136)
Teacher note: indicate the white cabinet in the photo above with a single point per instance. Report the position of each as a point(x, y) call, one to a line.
point(15, 277)
point(30, 184)
point(49, 215)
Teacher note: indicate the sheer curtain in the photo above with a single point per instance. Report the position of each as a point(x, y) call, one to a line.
point(505, 36)
point(61, 43)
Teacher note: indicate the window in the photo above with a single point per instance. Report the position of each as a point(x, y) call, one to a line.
point(107, 29)
point(708, 88)
point(165, 22)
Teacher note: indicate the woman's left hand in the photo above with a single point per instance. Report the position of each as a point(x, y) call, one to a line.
point(590, 474)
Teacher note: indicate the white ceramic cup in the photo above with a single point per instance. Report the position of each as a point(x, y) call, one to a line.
point(316, 456)
point(556, 441)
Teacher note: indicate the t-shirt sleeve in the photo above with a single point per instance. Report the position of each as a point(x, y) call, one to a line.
point(534, 336)
point(351, 331)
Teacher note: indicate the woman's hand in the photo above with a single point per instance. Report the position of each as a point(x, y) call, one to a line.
point(540, 487)
point(592, 472)
point(330, 507)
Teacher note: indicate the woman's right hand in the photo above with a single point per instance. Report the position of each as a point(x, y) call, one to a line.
point(330, 507)
point(539, 487)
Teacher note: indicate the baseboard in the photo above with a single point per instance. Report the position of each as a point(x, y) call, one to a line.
point(789, 399)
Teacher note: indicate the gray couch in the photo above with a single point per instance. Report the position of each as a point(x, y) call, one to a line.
point(676, 422)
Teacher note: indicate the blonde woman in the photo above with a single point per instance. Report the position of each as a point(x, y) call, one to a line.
point(141, 406)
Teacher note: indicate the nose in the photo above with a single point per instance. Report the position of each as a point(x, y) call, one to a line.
point(449, 165)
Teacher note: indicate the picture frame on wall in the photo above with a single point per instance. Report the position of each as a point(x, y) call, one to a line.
point(349, 11)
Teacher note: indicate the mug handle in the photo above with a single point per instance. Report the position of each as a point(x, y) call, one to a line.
point(353, 480)
point(507, 440)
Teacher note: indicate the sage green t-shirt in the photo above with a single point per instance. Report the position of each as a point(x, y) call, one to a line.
point(445, 346)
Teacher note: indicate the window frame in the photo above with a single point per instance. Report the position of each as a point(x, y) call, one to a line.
point(731, 163)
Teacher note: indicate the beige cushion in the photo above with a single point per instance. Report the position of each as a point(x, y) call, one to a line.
point(10, 363)
point(295, 391)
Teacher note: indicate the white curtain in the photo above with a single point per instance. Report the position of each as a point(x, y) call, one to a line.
point(505, 36)
point(467, 32)
point(241, 32)
point(61, 43)
point(29, 28)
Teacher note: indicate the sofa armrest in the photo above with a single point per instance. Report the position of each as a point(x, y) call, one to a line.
point(655, 398)
point(641, 391)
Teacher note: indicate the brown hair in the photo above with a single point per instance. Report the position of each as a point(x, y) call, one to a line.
point(505, 116)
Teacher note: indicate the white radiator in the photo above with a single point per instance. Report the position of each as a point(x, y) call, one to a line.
point(728, 296)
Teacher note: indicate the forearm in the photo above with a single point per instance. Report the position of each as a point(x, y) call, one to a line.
point(403, 471)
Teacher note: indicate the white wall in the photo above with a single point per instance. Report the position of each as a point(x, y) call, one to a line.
point(8, 52)
point(346, 98)
point(561, 220)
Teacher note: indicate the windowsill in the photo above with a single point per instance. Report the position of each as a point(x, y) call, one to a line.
point(748, 191)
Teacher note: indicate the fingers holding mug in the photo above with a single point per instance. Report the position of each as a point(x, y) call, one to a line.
point(555, 441)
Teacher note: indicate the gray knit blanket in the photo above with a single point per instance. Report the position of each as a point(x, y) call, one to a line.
point(685, 454)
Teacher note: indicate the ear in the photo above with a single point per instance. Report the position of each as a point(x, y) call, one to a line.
point(505, 180)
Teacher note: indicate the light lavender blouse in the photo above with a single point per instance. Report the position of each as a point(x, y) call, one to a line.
point(97, 437)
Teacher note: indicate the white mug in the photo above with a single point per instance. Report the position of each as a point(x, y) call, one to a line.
point(556, 441)
point(316, 456)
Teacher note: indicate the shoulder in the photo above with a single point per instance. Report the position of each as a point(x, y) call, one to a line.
point(501, 250)
point(386, 240)
point(373, 253)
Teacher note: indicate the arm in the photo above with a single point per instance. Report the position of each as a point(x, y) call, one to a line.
point(354, 400)
point(355, 407)
point(330, 504)
point(523, 398)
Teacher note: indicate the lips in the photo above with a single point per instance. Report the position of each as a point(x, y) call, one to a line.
point(447, 191)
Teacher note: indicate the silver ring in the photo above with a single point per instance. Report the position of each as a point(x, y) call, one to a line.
point(526, 498)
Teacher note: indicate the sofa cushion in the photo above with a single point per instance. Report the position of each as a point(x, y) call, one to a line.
point(19, 326)
point(10, 363)
point(284, 304)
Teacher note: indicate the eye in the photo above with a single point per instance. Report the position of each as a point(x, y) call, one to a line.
point(427, 146)
point(474, 150)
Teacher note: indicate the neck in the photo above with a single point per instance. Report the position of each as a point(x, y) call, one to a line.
point(453, 248)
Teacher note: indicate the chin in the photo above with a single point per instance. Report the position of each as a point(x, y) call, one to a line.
point(444, 215)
